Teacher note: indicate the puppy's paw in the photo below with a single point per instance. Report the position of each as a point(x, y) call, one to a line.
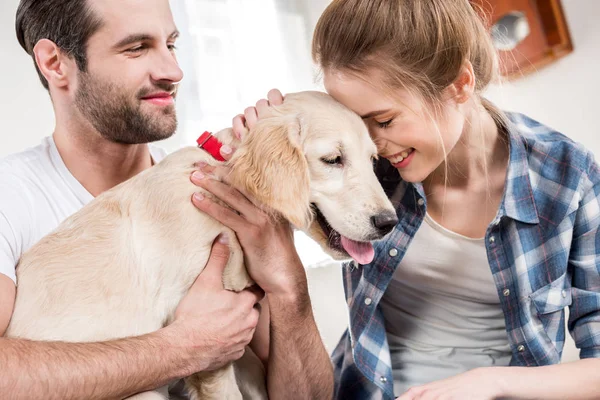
point(235, 276)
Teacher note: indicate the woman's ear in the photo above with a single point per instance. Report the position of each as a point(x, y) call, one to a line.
point(53, 64)
point(270, 166)
point(463, 87)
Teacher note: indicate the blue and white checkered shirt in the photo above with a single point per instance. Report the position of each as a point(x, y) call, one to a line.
point(543, 250)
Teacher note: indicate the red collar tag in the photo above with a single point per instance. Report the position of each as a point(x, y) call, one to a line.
point(211, 144)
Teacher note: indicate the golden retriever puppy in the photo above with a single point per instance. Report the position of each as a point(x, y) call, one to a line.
point(120, 266)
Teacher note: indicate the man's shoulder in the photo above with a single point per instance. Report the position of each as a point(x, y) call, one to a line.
point(24, 164)
point(23, 177)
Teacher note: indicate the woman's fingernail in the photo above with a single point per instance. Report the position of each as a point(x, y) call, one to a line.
point(225, 149)
point(199, 196)
point(201, 164)
point(223, 238)
point(198, 175)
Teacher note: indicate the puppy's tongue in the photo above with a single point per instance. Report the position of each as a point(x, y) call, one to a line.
point(362, 252)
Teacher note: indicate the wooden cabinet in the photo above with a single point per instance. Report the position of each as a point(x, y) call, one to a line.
point(541, 26)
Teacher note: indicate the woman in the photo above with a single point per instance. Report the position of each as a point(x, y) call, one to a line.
point(499, 217)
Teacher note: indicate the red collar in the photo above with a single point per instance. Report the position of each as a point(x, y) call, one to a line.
point(211, 144)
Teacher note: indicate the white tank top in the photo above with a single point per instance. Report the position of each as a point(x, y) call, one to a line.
point(441, 309)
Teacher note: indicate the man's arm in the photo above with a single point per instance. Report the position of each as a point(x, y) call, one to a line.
point(288, 343)
point(119, 368)
point(7, 301)
point(108, 370)
point(298, 366)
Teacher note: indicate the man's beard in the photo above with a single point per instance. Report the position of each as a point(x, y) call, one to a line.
point(117, 117)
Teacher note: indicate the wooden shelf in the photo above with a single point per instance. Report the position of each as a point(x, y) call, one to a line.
point(548, 40)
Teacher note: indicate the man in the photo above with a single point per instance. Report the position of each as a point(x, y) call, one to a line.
point(112, 75)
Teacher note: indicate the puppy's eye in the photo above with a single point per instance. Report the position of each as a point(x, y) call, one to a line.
point(336, 161)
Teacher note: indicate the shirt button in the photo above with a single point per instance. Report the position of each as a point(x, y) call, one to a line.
point(521, 348)
point(506, 292)
point(368, 301)
point(420, 202)
point(564, 293)
point(383, 379)
point(393, 252)
point(492, 239)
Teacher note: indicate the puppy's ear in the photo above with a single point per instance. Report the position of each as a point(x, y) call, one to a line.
point(270, 166)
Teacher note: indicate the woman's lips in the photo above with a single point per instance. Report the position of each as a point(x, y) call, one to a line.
point(402, 159)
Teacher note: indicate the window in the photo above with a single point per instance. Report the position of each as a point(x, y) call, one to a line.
point(232, 53)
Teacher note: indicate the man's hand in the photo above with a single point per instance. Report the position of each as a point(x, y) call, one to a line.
point(268, 244)
point(288, 340)
point(216, 322)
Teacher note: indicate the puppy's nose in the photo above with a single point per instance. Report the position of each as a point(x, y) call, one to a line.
point(384, 222)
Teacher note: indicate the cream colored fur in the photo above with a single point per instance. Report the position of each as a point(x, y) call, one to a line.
point(120, 266)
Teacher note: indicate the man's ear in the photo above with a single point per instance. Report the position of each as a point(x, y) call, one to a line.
point(270, 166)
point(53, 63)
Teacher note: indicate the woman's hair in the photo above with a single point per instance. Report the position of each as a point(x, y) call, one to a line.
point(418, 45)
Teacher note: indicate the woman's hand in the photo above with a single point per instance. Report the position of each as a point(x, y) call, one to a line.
point(243, 122)
point(476, 384)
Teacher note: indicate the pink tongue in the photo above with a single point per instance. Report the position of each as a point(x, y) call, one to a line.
point(362, 252)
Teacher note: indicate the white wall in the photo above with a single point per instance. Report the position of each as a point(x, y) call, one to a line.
point(25, 110)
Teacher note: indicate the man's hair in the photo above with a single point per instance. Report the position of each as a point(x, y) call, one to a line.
point(67, 23)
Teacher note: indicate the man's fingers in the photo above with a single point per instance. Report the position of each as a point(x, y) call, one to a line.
point(224, 215)
point(226, 193)
point(226, 151)
point(221, 173)
point(219, 256)
point(255, 294)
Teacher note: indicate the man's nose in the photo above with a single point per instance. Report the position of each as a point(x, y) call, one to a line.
point(166, 68)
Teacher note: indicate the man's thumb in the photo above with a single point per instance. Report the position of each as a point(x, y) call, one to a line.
point(219, 255)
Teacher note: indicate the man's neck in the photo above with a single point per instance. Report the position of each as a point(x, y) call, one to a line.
point(99, 164)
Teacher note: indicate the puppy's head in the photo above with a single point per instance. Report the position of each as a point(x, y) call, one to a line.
point(270, 166)
point(311, 160)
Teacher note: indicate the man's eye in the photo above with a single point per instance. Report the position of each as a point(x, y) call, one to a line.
point(172, 47)
point(136, 49)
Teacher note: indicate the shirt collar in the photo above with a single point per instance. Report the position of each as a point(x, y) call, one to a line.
point(518, 202)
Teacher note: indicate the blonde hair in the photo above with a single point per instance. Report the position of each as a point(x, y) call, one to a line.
point(419, 45)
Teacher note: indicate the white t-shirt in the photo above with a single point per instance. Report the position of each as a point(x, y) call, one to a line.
point(37, 193)
point(442, 311)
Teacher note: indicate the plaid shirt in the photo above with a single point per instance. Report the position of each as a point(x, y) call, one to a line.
point(542, 249)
